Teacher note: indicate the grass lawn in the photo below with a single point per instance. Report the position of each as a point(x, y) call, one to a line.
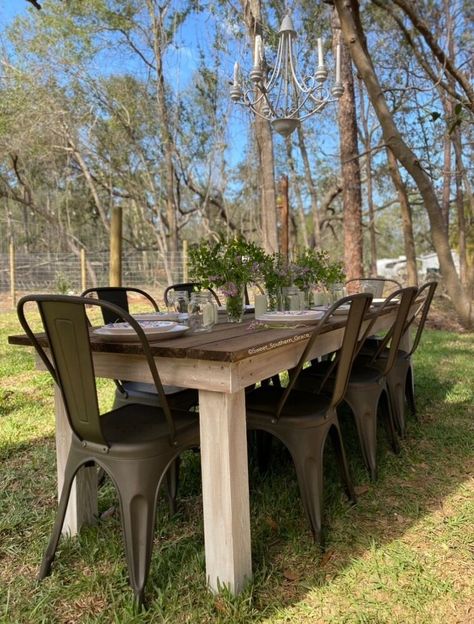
point(403, 554)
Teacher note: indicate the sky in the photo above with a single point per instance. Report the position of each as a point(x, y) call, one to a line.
point(9, 9)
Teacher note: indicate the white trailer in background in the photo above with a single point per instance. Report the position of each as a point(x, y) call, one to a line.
point(427, 265)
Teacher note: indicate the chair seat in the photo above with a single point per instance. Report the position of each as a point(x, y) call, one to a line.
point(301, 410)
point(138, 428)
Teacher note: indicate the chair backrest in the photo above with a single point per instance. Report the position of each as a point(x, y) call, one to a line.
point(118, 295)
point(188, 287)
point(359, 306)
point(406, 298)
point(423, 301)
point(68, 332)
point(378, 286)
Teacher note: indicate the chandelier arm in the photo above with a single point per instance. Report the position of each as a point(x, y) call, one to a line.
point(301, 86)
point(323, 100)
point(255, 111)
point(276, 70)
point(316, 110)
point(301, 105)
point(253, 102)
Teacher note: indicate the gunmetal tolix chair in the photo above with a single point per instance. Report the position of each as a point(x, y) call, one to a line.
point(138, 392)
point(367, 385)
point(135, 444)
point(400, 379)
point(378, 286)
point(302, 421)
point(188, 287)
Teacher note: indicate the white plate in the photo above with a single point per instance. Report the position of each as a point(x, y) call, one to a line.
point(344, 309)
point(154, 330)
point(162, 316)
point(297, 316)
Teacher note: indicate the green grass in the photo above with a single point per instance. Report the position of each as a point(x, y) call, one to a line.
point(404, 553)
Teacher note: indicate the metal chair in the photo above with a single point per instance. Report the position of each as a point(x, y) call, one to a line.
point(135, 444)
point(119, 295)
point(367, 384)
point(138, 392)
point(303, 423)
point(188, 287)
point(378, 286)
point(400, 379)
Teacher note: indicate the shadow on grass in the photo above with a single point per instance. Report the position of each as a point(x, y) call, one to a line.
point(286, 563)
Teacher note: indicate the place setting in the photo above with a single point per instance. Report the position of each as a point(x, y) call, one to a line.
point(154, 330)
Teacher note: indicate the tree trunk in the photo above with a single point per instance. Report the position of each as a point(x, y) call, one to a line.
point(368, 171)
point(284, 216)
point(311, 187)
point(350, 168)
point(355, 38)
point(407, 224)
point(166, 135)
point(263, 134)
point(303, 238)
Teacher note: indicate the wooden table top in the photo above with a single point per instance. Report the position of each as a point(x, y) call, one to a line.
point(227, 342)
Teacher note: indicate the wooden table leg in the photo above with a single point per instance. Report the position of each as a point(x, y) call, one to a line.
point(82, 508)
point(225, 489)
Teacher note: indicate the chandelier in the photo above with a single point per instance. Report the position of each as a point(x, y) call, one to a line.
point(279, 94)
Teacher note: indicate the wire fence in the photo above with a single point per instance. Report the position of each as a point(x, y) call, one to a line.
point(22, 273)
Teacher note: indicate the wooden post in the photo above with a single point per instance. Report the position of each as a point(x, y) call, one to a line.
point(83, 270)
point(185, 261)
point(115, 271)
point(284, 215)
point(12, 274)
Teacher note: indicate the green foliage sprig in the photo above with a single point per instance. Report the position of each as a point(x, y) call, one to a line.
point(226, 264)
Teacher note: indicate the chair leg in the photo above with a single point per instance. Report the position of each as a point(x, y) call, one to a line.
point(264, 442)
point(390, 423)
point(48, 557)
point(307, 450)
point(336, 438)
point(410, 391)
point(396, 394)
point(172, 482)
point(138, 491)
point(364, 407)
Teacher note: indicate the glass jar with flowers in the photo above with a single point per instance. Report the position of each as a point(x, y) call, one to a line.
point(228, 265)
point(309, 271)
point(276, 273)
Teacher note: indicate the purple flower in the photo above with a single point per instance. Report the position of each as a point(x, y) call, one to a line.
point(230, 289)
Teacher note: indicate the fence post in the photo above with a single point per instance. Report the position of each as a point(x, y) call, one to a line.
point(83, 270)
point(12, 273)
point(115, 272)
point(185, 261)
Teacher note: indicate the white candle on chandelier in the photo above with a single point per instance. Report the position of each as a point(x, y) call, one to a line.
point(338, 62)
point(236, 74)
point(258, 43)
point(320, 53)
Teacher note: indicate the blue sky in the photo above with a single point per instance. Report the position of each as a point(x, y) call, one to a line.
point(9, 9)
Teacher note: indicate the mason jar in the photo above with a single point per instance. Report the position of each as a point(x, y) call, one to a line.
point(291, 299)
point(202, 312)
point(179, 300)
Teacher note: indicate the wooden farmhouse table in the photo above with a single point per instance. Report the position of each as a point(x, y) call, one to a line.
point(220, 365)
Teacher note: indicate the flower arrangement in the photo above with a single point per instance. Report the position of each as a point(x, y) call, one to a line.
point(228, 265)
point(232, 264)
point(313, 268)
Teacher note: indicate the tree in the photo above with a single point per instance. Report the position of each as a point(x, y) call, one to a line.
point(355, 38)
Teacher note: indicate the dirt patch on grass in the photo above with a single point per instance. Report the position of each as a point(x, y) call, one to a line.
point(442, 315)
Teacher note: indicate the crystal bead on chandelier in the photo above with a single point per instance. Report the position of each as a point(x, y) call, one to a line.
point(279, 95)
